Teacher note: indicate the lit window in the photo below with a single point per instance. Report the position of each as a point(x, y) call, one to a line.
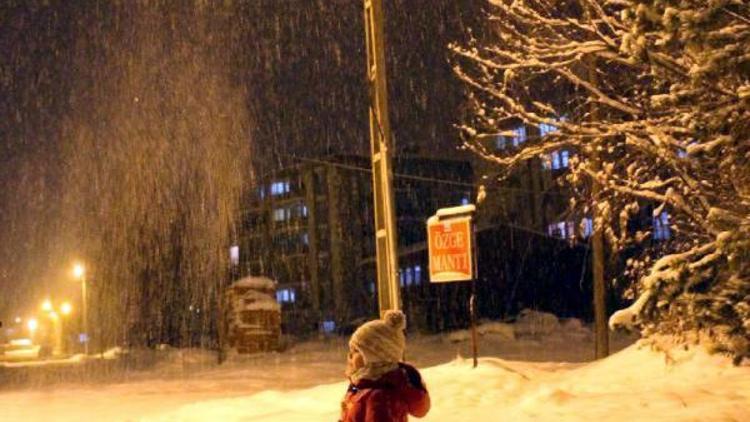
point(570, 229)
point(402, 277)
point(587, 227)
point(261, 192)
point(556, 160)
point(234, 255)
point(329, 326)
point(519, 135)
point(500, 142)
point(303, 210)
point(279, 214)
point(409, 276)
point(545, 128)
point(562, 230)
point(417, 274)
point(279, 188)
point(465, 200)
point(546, 161)
point(305, 239)
point(661, 226)
point(371, 287)
point(286, 295)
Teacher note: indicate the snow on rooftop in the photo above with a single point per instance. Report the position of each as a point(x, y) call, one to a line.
point(255, 282)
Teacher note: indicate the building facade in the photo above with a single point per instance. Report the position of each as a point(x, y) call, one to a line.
point(310, 227)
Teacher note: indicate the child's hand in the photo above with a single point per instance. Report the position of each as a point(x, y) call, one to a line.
point(414, 377)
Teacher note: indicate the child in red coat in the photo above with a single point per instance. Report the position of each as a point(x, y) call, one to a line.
point(382, 388)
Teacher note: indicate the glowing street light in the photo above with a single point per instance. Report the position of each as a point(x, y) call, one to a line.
point(79, 272)
point(32, 324)
point(47, 306)
point(66, 308)
point(18, 320)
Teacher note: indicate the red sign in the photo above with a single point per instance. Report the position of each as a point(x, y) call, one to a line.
point(450, 249)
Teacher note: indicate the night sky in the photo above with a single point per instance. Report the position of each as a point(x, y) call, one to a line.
point(298, 67)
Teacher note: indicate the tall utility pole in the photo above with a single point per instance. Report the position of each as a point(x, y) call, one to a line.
point(601, 330)
point(381, 144)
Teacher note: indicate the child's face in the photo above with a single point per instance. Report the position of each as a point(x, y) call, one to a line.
point(354, 361)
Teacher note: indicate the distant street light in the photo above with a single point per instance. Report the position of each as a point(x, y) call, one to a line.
point(32, 324)
point(47, 306)
point(66, 308)
point(18, 320)
point(79, 272)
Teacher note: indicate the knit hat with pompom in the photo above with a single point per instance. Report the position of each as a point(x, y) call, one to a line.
point(381, 340)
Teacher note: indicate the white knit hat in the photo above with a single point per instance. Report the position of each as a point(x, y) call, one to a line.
point(381, 340)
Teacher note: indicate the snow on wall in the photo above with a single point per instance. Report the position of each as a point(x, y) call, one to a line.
point(258, 283)
point(253, 300)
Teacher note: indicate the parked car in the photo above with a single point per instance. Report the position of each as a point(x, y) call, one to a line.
point(21, 349)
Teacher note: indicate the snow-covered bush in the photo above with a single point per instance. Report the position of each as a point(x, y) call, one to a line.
point(498, 329)
point(534, 323)
point(651, 100)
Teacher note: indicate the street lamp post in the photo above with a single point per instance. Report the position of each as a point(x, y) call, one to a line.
point(80, 273)
point(57, 348)
point(65, 310)
point(32, 324)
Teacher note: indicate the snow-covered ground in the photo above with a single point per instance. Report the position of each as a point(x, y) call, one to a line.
point(533, 370)
point(634, 384)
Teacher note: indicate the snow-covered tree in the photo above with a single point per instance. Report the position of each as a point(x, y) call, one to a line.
point(651, 100)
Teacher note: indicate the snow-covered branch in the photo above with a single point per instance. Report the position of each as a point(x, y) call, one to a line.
point(652, 99)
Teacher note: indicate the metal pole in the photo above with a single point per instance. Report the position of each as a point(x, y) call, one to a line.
point(473, 299)
point(601, 331)
point(85, 315)
point(389, 295)
point(473, 314)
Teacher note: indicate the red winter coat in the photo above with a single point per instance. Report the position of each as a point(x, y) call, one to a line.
point(391, 398)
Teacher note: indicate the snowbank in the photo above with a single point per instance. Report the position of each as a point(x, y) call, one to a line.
point(488, 328)
point(535, 323)
point(305, 384)
point(634, 384)
point(530, 323)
